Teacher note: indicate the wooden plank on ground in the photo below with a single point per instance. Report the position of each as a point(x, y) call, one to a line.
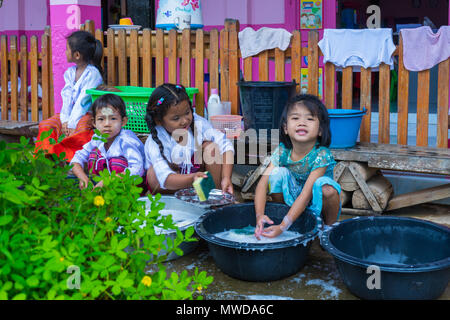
point(398, 157)
point(17, 128)
point(256, 174)
point(365, 188)
point(421, 196)
point(359, 212)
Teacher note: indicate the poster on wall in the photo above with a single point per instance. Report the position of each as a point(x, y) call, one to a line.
point(311, 16)
point(304, 82)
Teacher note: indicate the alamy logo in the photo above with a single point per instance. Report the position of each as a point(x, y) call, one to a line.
point(374, 280)
point(374, 20)
point(74, 281)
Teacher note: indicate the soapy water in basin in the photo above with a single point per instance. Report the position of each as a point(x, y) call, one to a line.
point(246, 235)
point(385, 255)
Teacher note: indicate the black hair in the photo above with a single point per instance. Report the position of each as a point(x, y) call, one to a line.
point(164, 97)
point(90, 49)
point(107, 100)
point(317, 108)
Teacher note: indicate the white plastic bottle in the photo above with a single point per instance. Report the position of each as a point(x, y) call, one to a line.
point(214, 104)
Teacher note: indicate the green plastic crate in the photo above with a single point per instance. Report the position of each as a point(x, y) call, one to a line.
point(136, 99)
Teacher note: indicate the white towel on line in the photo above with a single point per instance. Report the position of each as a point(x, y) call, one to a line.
point(252, 42)
point(366, 48)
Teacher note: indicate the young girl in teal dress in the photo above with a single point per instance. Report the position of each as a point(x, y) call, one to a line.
point(300, 173)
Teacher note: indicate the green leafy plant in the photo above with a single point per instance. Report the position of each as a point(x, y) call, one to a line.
point(60, 242)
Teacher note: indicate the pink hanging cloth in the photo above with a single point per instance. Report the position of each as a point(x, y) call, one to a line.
point(423, 49)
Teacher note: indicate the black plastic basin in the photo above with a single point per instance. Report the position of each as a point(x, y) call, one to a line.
point(412, 256)
point(256, 261)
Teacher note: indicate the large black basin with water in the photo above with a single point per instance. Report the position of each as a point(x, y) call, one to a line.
point(390, 257)
point(256, 261)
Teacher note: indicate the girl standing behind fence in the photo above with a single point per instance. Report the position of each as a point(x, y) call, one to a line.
point(74, 121)
point(182, 144)
point(300, 173)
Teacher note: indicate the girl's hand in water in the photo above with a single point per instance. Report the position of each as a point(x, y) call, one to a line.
point(260, 221)
point(272, 231)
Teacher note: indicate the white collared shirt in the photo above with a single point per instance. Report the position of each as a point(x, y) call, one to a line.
point(181, 155)
point(126, 144)
point(76, 102)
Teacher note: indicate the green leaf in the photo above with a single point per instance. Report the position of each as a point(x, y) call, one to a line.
point(4, 220)
point(116, 290)
point(123, 244)
point(121, 254)
point(33, 281)
point(20, 296)
point(24, 141)
point(45, 135)
point(189, 232)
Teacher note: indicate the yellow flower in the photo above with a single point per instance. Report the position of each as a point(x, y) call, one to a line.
point(199, 288)
point(146, 281)
point(61, 259)
point(99, 201)
point(108, 219)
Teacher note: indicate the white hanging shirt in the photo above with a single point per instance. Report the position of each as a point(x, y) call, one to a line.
point(252, 42)
point(366, 48)
point(126, 145)
point(76, 102)
point(181, 155)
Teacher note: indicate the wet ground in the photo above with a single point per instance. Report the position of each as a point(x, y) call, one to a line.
point(318, 280)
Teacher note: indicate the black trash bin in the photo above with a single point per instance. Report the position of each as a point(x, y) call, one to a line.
point(262, 102)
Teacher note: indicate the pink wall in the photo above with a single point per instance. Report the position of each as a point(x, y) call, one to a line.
point(19, 18)
point(65, 16)
point(22, 15)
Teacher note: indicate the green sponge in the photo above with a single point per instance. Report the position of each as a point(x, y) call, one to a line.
point(203, 186)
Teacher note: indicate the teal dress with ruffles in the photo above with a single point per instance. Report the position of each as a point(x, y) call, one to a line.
point(289, 177)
